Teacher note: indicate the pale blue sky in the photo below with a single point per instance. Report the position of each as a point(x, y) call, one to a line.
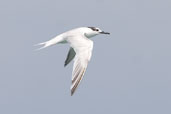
point(129, 72)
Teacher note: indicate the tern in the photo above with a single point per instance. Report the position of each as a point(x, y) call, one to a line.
point(80, 50)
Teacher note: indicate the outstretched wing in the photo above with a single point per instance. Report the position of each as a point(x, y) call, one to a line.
point(70, 56)
point(83, 48)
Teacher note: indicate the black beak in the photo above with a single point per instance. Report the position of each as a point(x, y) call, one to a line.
point(104, 32)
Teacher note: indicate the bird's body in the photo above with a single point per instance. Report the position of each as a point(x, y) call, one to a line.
point(81, 49)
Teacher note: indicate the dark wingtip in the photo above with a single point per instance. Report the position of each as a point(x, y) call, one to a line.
point(72, 92)
point(65, 65)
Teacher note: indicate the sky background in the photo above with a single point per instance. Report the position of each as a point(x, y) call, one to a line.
point(129, 73)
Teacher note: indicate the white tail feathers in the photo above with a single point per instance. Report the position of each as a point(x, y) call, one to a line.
point(45, 44)
point(51, 42)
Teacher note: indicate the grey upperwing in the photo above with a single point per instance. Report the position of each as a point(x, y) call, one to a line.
point(70, 56)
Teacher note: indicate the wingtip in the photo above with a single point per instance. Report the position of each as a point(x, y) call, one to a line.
point(65, 65)
point(72, 92)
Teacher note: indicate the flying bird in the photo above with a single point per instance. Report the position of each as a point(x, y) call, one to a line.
point(80, 50)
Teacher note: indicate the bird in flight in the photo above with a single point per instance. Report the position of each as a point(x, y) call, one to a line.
point(80, 50)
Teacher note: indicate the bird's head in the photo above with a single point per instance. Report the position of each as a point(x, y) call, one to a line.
point(93, 31)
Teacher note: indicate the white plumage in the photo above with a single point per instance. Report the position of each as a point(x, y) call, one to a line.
point(81, 49)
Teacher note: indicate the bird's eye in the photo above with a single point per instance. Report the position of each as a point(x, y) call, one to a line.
point(97, 29)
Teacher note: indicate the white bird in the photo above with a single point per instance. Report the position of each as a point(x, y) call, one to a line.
point(81, 49)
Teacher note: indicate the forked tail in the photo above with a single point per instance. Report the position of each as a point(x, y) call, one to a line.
point(43, 44)
point(50, 42)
